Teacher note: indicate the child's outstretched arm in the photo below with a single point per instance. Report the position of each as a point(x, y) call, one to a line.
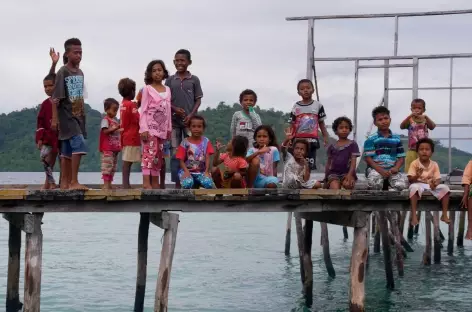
point(54, 58)
point(406, 122)
point(216, 158)
point(431, 125)
point(209, 151)
point(324, 132)
point(466, 181)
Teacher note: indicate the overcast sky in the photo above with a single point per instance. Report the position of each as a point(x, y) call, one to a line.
point(237, 45)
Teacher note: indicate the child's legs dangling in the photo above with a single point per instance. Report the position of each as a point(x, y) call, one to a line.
point(253, 171)
point(441, 192)
point(416, 191)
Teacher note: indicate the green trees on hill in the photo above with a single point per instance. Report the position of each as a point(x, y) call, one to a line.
point(18, 151)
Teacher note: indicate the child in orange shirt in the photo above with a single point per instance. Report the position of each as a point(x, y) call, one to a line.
point(467, 198)
point(233, 176)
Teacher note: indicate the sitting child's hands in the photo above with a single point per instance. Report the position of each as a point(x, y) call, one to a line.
point(419, 171)
point(348, 181)
point(219, 146)
point(385, 173)
point(465, 200)
point(264, 150)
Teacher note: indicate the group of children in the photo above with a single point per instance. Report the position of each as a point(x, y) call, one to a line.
point(162, 121)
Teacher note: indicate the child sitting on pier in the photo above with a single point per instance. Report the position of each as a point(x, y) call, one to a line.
point(46, 138)
point(263, 159)
point(235, 164)
point(194, 155)
point(155, 124)
point(110, 141)
point(129, 118)
point(384, 154)
point(244, 122)
point(342, 157)
point(424, 175)
point(467, 197)
point(297, 171)
point(417, 124)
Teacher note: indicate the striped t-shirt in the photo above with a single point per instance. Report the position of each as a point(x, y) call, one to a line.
point(384, 150)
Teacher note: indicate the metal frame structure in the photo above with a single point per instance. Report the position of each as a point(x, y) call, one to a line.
point(311, 59)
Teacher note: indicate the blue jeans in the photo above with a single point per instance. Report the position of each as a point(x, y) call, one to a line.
point(196, 180)
point(74, 145)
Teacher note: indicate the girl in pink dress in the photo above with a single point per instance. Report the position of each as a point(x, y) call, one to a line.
point(155, 122)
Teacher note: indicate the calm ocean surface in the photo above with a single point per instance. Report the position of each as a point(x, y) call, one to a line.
point(230, 262)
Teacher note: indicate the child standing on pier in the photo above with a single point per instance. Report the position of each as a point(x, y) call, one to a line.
point(342, 157)
point(467, 198)
point(46, 137)
point(384, 154)
point(110, 141)
point(186, 99)
point(129, 118)
point(155, 124)
point(247, 120)
point(424, 175)
point(69, 114)
point(235, 164)
point(306, 117)
point(194, 156)
point(263, 159)
point(417, 124)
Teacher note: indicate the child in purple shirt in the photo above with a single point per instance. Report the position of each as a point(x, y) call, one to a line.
point(342, 155)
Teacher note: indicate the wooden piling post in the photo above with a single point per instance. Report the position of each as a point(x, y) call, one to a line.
point(170, 223)
point(143, 234)
point(288, 233)
point(402, 221)
point(382, 221)
point(460, 233)
point(427, 250)
point(377, 234)
point(345, 233)
point(307, 263)
point(326, 254)
point(417, 227)
point(13, 303)
point(437, 238)
point(358, 267)
point(411, 229)
point(374, 227)
point(450, 236)
point(33, 262)
point(398, 247)
point(300, 239)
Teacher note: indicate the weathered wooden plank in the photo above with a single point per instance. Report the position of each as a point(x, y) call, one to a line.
point(33, 263)
point(165, 266)
point(288, 231)
point(143, 234)
point(326, 253)
point(437, 238)
point(221, 192)
point(460, 232)
point(13, 303)
point(450, 236)
point(383, 225)
point(300, 239)
point(427, 250)
point(358, 269)
point(12, 194)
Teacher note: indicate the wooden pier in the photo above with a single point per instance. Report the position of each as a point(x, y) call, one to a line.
point(25, 208)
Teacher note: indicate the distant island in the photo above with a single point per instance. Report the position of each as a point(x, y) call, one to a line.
point(18, 152)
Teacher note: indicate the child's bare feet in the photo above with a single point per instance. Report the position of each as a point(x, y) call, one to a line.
point(64, 186)
point(126, 186)
point(46, 186)
point(414, 220)
point(445, 219)
point(77, 186)
point(468, 235)
point(147, 187)
point(53, 186)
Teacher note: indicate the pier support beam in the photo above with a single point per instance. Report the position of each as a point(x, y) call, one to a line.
point(417, 227)
point(437, 238)
point(450, 236)
point(397, 239)
point(288, 233)
point(307, 262)
point(460, 233)
point(375, 216)
point(382, 221)
point(13, 303)
point(299, 229)
point(326, 254)
point(143, 234)
point(346, 235)
point(427, 250)
point(33, 261)
point(358, 268)
point(169, 222)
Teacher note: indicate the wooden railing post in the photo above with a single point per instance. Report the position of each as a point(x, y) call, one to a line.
point(33, 262)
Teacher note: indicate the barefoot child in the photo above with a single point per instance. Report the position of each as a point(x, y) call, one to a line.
point(194, 155)
point(424, 175)
point(297, 169)
point(155, 124)
point(342, 156)
point(110, 141)
point(467, 197)
point(129, 118)
point(235, 165)
point(417, 124)
point(47, 138)
point(263, 159)
point(69, 114)
point(384, 154)
point(247, 120)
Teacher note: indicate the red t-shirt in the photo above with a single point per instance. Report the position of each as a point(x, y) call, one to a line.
point(110, 142)
point(44, 133)
point(129, 116)
point(233, 163)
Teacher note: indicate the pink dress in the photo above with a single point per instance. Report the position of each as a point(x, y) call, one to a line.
point(155, 118)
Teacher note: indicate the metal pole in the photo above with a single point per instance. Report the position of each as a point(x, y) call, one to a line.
point(451, 69)
point(415, 78)
point(395, 45)
point(310, 52)
point(356, 90)
point(386, 82)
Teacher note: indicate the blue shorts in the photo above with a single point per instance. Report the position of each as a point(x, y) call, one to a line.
point(73, 146)
point(262, 181)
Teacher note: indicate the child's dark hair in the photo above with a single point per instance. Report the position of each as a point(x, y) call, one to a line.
point(304, 142)
point(186, 53)
point(240, 145)
point(69, 42)
point(305, 81)
point(247, 92)
point(338, 121)
point(126, 87)
point(380, 110)
point(270, 132)
point(197, 117)
point(427, 141)
point(50, 77)
point(419, 101)
point(109, 103)
point(148, 73)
